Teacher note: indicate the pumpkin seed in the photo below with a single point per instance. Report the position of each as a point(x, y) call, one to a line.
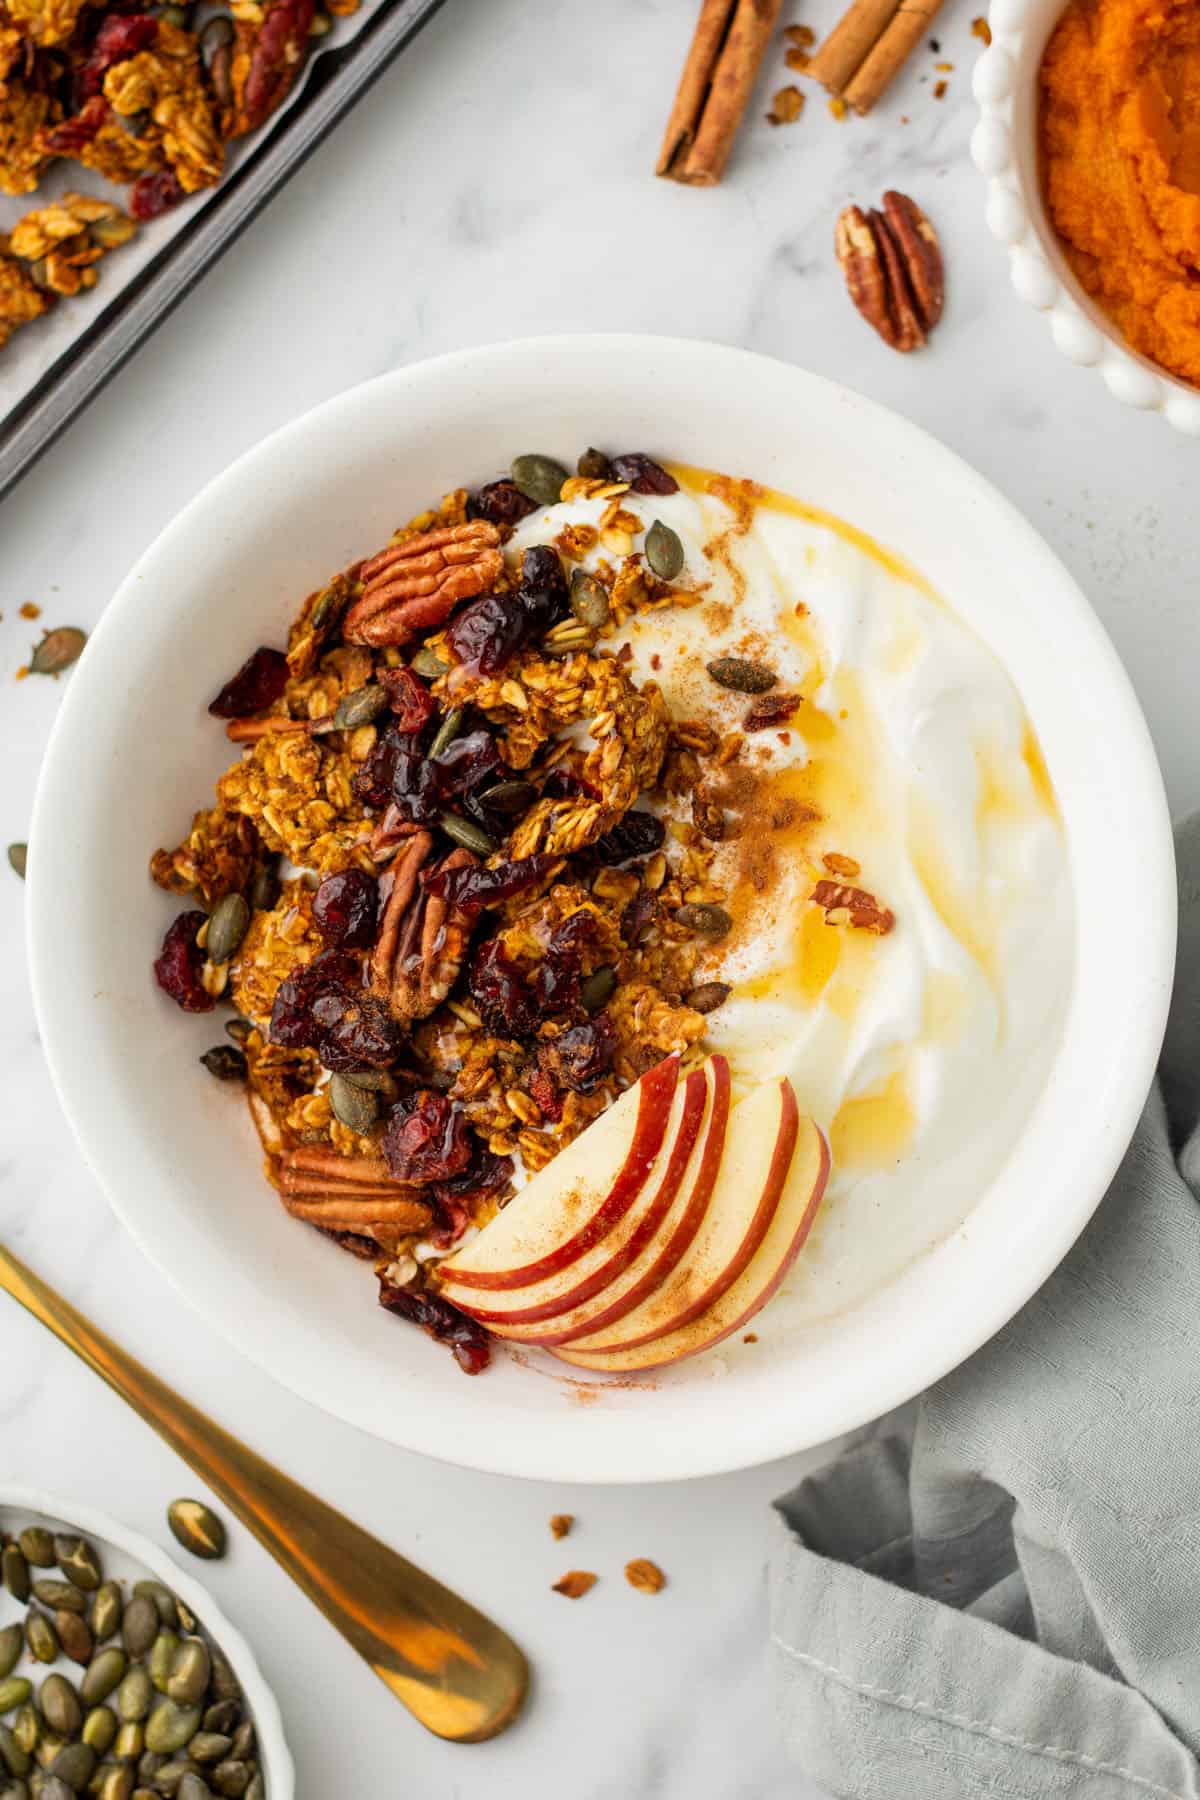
point(110, 234)
point(447, 731)
point(664, 551)
point(226, 929)
point(56, 652)
point(60, 1596)
point(428, 664)
point(135, 1696)
point(39, 271)
point(27, 1728)
point(361, 707)
point(14, 1692)
point(466, 834)
point(172, 1773)
point(18, 859)
point(148, 1765)
point(243, 1740)
point(53, 1788)
point(74, 1764)
point(257, 1789)
point(539, 478)
point(589, 602)
point(49, 1745)
point(188, 1680)
point(14, 1790)
point(74, 1636)
point(60, 1705)
point(162, 1655)
point(742, 676)
point(593, 465)
point(41, 1638)
point(597, 990)
point(220, 73)
point(103, 1674)
point(164, 1600)
point(216, 34)
point(264, 887)
point(15, 1760)
point(100, 1729)
point(222, 1716)
point(131, 1741)
point(37, 1546)
point(224, 1681)
point(225, 1063)
point(709, 921)
point(171, 1726)
point(16, 1572)
point(174, 15)
point(356, 1107)
point(511, 797)
point(209, 1746)
point(231, 1778)
point(376, 1081)
point(239, 1030)
point(116, 1784)
point(193, 1787)
point(107, 1606)
point(11, 1641)
point(141, 1625)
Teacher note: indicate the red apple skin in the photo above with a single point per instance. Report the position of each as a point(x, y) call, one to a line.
point(743, 1318)
point(654, 1109)
point(756, 1231)
point(681, 1240)
point(680, 1153)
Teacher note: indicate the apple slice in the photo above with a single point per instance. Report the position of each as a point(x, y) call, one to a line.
point(596, 1181)
point(767, 1195)
point(594, 1271)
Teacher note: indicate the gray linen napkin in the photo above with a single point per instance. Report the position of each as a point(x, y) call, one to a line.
point(1005, 1598)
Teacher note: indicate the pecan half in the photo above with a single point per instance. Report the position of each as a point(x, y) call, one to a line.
point(853, 906)
point(348, 1193)
point(422, 937)
point(413, 586)
point(892, 264)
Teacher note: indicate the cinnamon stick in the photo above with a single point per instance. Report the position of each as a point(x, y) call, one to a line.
point(846, 48)
point(883, 63)
point(728, 45)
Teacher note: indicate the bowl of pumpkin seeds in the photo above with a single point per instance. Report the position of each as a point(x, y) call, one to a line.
point(119, 1677)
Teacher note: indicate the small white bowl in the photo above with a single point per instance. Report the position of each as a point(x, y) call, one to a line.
point(128, 1557)
point(1004, 148)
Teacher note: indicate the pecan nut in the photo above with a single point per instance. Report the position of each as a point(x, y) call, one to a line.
point(415, 585)
point(422, 938)
point(348, 1193)
point(844, 905)
point(892, 264)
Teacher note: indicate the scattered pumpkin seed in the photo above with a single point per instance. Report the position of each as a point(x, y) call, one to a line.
point(209, 1746)
point(257, 1789)
point(709, 921)
point(54, 1788)
point(226, 928)
point(593, 465)
point(11, 1640)
point(141, 1625)
point(172, 1773)
point(162, 1655)
point(742, 676)
point(60, 1705)
point(239, 1030)
point(171, 1726)
point(15, 1760)
point(589, 602)
point(193, 1787)
point(37, 1546)
point(104, 1673)
point(357, 1109)
point(221, 1716)
point(429, 664)
point(466, 834)
point(18, 859)
point(135, 1695)
point(14, 1692)
point(539, 478)
point(243, 1739)
point(215, 35)
point(232, 1778)
point(130, 1741)
point(447, 731)
point(100, 1729)
point(164, 1600)
point(664, 551)
point(56, 652)
point(16, 1572)
point(226, 1063)
point(376, 1081)
point(510, 797)
point(74, 1636)
point(41, 1638)
point(110, 234)
point(197, 1528)
point(190, 1671)
point(27, 1728)
point(597, 990)
point(107, 1607)
point(264, 887)
point(224, 1681)
point(116, 1783)
point(75, 1764)
point(49, 1745)
point(362, 707)
point(59, 1596)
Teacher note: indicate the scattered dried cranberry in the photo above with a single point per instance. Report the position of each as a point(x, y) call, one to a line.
point(475, 887)
point(408, 697)
point(426, 1139)
point(582, 1056)
point(466, 762)
point(354, 1030)
point(643, 474)
point(468, 1341)
point(177, 966)
point(292, 1023)
point(485, 1176)
point(257, 685)
point(637, 916)
point(543, 592)
point(547, 1096)
point(118, 38)
point(155, 193)
point(499, 991)
point(637, 834)
point(501, 502)
point(770, 709)
point(74, 135)
point(487, 634)
point(346, 907)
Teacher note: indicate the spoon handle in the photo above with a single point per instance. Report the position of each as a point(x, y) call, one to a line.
point(456, 1671)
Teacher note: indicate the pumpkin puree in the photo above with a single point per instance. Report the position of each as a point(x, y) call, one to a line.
point(1120, 145)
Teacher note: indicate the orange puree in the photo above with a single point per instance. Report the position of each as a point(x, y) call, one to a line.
point(1120, 144)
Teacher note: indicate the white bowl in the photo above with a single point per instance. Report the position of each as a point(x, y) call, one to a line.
point(1004, 148)
point(134, 751)
point(128, 1557)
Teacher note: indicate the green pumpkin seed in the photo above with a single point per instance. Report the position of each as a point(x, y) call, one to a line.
point(51, 1788)
point(597, 990)
point(171, 1726)
point(100, 1729)
point(135, 1696)
point(264, 887)
point(231, 1778)
point(164, 1600)
point(197, 1528)
point(162, 1655)
point(174, 15)
point(15, 1790)
point(466, 834)
point(56, 652)
point(49, 1745)
point(593, 465)
point(107, 1607)
point(257, 1789)
point(226, 929)
point(103, 1674)
point(116, 1784)
point(74, 1764)
point(215, 36)
point(209, 1746)
point(172, 1773)
point(511, 797)
point(141, 1625)
point(428, 664)
point(361, 707)
point(60, 1705)
point(709, 921)
point(243, 1741)
point(589, 602)
point(16, 1572)
point(539, 478)
point(239, 1030)
point(375, 1081)
point(15, 1760)
point(11, 1642)
point(224, 1062)
point(131, 1741)
point(59, 1596)
point(190, 1671)
point(224, 1681)
point(37, 1546)
point(222, 1716)
point(27, 1728)
point(355, 1106)
point(18, 858)
point(220, 73)
point(110, 234)
point(742, 676)
point(74, 1636)
point(664, 551)
point(41, 1638)
point(148, 1765)
point(193, 1787)
point(447, 731)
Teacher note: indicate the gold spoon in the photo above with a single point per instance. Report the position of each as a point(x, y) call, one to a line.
point(459, 1674)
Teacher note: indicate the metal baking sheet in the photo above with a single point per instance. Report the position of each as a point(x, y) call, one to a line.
point(122, 316)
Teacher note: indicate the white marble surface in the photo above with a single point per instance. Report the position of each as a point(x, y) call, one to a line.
point(497, 182)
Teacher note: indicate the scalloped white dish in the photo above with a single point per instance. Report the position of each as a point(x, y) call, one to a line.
point(1004, 149)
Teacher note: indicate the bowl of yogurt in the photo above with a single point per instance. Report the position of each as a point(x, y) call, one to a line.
point(967, 753)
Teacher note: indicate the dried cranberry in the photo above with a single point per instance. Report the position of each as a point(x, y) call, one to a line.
point(547, 1096)
point(466, 762)
point(257, 685)
point(637, 834)
point(292, 1023)
point(485, 1176)
point(768, 710)
point(556, 980)
point(155, 193)
point(563, 784)
point(582, 1056)
point(408, 697)
point(643, 474)
point(498, 990)
point(487, 634)
point(117, 40)
point(74, 135)
point(502, 503)
point(346, 907)
point(426, 1139)
point(354, 1030)
point(468, 1341)
point(637, 916)
point(543, 592)
point(475, 887)
point(372, 783)
point(415, 788)
point(177, 966)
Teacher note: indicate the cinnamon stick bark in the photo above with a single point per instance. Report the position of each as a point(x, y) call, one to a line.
point(850, 42)
point(880, 68)
point(727, 48)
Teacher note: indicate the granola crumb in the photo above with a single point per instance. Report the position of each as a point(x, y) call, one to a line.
point(841, 865)
point(561, 1523)
point(944, 68)
point(786, 107)
point(576, 1583)
point(23, 671)
point(837, 107)
point(751, 1337)
point(801, 37)
point(940, 90)
point(29, 610)
point(645, 1576)
point(981, 29)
